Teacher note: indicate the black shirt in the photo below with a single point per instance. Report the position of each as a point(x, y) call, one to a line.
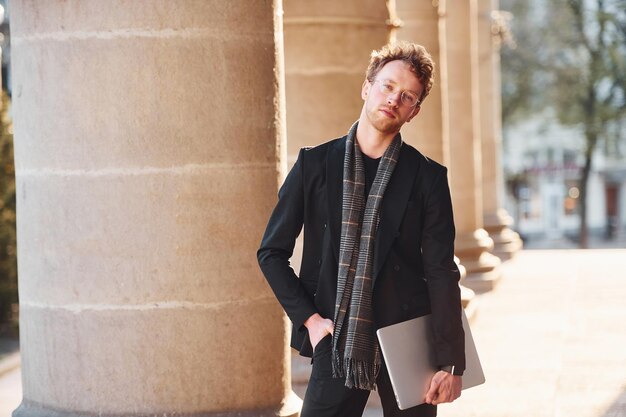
point(371, 166)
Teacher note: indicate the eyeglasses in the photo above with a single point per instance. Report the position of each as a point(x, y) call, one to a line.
point(407, 97)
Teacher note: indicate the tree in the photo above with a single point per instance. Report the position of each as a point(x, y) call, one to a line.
point(523, 61)
point(589, 77)
point(571, 57)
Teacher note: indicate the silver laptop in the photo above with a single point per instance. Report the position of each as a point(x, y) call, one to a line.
point(410, 359)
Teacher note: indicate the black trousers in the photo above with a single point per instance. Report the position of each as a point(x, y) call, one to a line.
point(329, 397)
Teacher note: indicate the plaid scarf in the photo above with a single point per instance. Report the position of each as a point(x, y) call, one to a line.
point(356, 354)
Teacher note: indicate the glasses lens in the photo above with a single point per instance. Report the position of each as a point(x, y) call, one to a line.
point(409, 98)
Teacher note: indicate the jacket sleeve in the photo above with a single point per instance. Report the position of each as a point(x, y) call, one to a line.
point(442, 275)
point(277, 246)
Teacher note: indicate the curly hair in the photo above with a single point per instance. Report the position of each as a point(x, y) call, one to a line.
point(414, 55)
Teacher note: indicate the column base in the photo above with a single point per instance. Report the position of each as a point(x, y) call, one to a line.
point(482, 282)
point(468, 297)
point(469, 302)
point(290, 407)
point(506, 242)
point(483, 272)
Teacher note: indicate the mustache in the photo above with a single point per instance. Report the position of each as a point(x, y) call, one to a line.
point(389, 110)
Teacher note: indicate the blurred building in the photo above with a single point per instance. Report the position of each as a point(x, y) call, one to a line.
point(543, 161)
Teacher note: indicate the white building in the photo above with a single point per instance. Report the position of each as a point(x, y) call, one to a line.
point(543, 162)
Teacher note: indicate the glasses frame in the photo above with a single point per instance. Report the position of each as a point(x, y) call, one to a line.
point(384, 90)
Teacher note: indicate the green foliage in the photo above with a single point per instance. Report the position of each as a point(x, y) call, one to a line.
point(526, 66)
point(8, 259)
point(569, 55)
point(589, 64)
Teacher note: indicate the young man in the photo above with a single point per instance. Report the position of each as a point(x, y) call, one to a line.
point(378, 247)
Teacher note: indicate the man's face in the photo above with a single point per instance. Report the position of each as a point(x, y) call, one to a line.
point(385, 110)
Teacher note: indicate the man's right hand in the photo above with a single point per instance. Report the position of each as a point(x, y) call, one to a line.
point(318, 327)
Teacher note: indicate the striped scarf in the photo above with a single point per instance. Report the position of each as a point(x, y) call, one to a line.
point(356, 354)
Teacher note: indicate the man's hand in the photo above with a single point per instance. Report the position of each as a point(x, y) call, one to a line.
point(318, 327)
point(444, 388)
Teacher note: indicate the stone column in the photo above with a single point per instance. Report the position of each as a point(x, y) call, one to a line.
point(496, 218)
point(146, 143)
point(429, 132)
point(327, 49)
point(473, 242)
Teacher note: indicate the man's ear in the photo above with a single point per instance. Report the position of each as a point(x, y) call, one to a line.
point(365, 89)
point(414, 113)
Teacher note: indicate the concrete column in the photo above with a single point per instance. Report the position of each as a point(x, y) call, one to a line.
point(473, 242)
point(429, 131)
point(327, 49)
point(146, 144)
point(496, 218)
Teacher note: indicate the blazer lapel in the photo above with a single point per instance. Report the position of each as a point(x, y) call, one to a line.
point(334, 187)
point(392, 207)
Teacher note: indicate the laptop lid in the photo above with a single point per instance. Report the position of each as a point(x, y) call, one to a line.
point(407, 351)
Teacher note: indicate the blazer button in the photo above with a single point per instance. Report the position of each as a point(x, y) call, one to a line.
point(324, 225)
point(396, 268)
point(405, 307)
point(319, 262)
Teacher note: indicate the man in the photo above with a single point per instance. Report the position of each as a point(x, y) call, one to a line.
point(378, 247)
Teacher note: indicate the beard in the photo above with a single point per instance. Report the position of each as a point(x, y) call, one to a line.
point(381, 122)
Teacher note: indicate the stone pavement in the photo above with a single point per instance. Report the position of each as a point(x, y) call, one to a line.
point(552, 338)
point(10, 391)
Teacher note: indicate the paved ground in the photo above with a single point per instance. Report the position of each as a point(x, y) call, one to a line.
point(10, 382)
point(552, 337)
point(10, 392)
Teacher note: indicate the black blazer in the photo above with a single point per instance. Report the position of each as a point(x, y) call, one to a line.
point(414, 269)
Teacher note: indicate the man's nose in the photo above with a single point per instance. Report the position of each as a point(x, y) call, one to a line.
point(394, 98)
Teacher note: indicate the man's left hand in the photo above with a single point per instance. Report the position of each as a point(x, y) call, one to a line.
point(444, 388)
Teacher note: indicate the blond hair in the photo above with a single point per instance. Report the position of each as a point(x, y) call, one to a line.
point(414, 55)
